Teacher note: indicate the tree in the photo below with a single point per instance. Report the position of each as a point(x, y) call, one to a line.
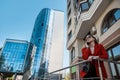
point(2, 59)
point(67, 77)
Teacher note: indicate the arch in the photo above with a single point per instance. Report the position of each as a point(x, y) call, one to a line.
point(111, 18)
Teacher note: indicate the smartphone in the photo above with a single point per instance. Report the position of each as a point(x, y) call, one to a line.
point(88, 43)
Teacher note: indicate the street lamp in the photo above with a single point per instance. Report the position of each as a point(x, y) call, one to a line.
point(17, 71)
point(93, 30)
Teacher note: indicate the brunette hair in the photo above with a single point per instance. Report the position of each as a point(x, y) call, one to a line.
point(92, 37)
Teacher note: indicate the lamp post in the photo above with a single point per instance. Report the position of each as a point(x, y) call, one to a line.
point(15, 75)
point(93, 30)
point(17, 71)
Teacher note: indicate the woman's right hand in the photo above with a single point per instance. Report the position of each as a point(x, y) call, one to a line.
point(85, 45)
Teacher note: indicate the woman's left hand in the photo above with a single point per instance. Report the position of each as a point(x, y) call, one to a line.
point(90, 58)
point(95, 57)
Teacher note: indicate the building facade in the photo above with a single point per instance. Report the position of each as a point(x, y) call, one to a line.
point(85, 16)
point(29, 62)
point(48, 37)
point(0, 50)
point(13, 56)
point(38, 38)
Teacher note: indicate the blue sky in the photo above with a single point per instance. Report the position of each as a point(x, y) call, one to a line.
point(17, 17)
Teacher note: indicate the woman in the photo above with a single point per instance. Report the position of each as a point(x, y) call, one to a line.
point(93, 50)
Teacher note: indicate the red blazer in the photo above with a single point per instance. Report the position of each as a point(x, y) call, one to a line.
point(100, 51)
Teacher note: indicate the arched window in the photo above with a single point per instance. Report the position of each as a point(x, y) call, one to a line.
point(72, 54)
point(112, 17)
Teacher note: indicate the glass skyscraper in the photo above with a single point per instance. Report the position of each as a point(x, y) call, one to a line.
point(13, 56)
point(47, 36)
point(38, 38)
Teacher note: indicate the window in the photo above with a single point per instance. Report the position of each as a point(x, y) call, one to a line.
point(72, 54)
point(73, 76)
point(90, 1)
point(79, 9)
point(86, 5)
point(75, 4)
point(76, 20)
point(14, 55)
point(42, 24)
point(5, 54)
point(114, 55)
point(110, 19)
point(39, 40)
point(117, 14)
point(69, 23)
point(11, 64)
point(69, 4)
point(35, 62)
point(69, 13)
point(69, 35)
point(23, 56)
point(20, 66)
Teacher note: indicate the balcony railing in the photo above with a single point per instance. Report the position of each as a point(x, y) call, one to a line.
point(65, 74)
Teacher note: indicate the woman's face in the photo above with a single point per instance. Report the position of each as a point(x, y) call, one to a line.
point(89, 39)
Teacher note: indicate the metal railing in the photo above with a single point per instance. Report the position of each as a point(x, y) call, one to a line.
point(65, 74)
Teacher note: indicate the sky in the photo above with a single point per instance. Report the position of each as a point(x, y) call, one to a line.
point(17, 18)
